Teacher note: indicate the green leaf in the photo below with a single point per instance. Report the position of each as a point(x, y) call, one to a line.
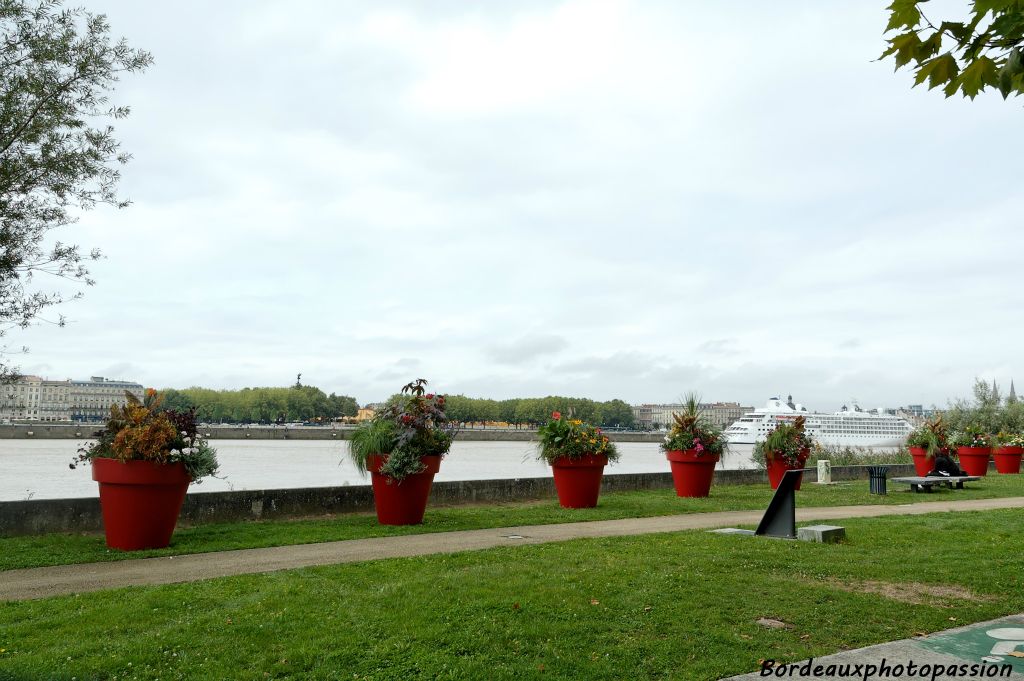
point(929, 47)
point(905, 47)
point(1013, 69)
point(977, 75)
point(1010, 83)
point(956, 29)
point(981, 7)
point(1015, 61)
point(937, 71)
point(903, 14)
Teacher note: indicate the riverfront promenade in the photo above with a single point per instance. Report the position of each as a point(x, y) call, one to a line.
point(31, 583)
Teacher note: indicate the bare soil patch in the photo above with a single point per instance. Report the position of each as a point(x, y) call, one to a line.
point(945, 595)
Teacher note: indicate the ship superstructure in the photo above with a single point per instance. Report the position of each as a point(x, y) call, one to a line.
point(845, 428)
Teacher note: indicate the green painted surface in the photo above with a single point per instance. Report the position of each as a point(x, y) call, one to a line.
point(985, 641)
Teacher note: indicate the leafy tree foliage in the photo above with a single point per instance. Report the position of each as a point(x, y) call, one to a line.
point(987, 411)
point(982, 51)
point(307, 403)
point(261, 405)
point(57, 150)
point(537, 410)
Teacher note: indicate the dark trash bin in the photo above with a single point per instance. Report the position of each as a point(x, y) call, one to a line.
point(876, 479)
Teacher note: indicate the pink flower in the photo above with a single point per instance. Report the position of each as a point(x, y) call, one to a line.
point(698, 447)
point(556, 415)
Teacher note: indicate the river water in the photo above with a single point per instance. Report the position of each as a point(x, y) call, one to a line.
point(38, 469)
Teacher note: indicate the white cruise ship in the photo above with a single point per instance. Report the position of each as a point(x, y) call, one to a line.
point(845, 428)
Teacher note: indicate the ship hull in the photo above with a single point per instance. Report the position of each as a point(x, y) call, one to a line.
point(830, 441)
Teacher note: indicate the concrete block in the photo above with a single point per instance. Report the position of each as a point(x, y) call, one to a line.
point(825, 472)
point(734, 530)
point(823, 534)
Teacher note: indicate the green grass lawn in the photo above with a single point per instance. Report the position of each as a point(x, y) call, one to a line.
point(682, 605)
point(56, 549)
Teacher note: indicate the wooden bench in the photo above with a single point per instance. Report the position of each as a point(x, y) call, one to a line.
point(925, 484)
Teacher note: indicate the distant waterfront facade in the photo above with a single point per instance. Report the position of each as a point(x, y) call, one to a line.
point(33, 398)
point(722, 414)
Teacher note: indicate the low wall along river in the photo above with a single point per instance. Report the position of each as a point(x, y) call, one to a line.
point(83, 515)
point(73, 432)
point(299, 472)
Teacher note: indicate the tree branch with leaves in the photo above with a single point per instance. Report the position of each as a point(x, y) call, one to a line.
point(985, 50)
point(58, 153)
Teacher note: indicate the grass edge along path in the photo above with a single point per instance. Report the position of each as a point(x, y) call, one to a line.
point(71, 579)
point(680, 605)
point(68, 548)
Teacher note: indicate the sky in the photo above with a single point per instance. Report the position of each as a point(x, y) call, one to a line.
point(595, 198)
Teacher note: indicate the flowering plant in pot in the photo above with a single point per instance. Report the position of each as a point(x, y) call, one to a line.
point(973, 448)
point(401, 447)
point(144, 460)
point(925, 441)
point(1009, 452)
point(693, 446)
point(577, 453)
point(786, 448)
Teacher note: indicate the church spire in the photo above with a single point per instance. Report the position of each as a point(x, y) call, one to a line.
point(1012, 397)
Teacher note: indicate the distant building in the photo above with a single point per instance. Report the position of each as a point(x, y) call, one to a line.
point(32, 398)
point(914, 414)
point(91, 400)
point(722, 414)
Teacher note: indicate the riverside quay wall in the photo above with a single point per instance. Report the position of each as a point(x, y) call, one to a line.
point(83, 431)
point(43, 516)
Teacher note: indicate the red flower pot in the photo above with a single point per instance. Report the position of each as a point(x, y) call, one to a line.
point(1008, 459)
point(974, 460)
point(578, 481)
point(401, 502)
point(140, 501)
point(922, 462)
point(777, 467)
point(692, 473)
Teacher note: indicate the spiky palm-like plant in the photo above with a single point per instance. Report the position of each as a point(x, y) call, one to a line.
point(691, 430)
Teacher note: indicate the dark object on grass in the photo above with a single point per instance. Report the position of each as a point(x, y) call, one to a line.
point(876, 479)
point(945, 467)
point(780, 518)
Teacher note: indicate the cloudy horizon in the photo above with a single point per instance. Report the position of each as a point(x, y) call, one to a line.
point(596, 199)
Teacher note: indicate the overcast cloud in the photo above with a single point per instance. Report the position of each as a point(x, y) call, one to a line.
point(604, 199)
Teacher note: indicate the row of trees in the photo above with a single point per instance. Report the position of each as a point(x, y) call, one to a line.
point(262, 405)
point(306, 403)
point(537, 410)
point(987, 410)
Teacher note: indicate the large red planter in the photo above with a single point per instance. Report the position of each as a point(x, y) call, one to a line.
point(140, 501)
point(1008, 459)
point(692, 473)
point(922, 462)
point(401, 502)
point(777, 468)
point(578, 481)
point(974, 460)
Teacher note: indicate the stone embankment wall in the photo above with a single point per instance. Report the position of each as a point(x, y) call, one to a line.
point(80, 432)
point(83, 515)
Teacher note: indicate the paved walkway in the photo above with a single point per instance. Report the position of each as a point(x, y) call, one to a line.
point(981, 650)
point(69, 579)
